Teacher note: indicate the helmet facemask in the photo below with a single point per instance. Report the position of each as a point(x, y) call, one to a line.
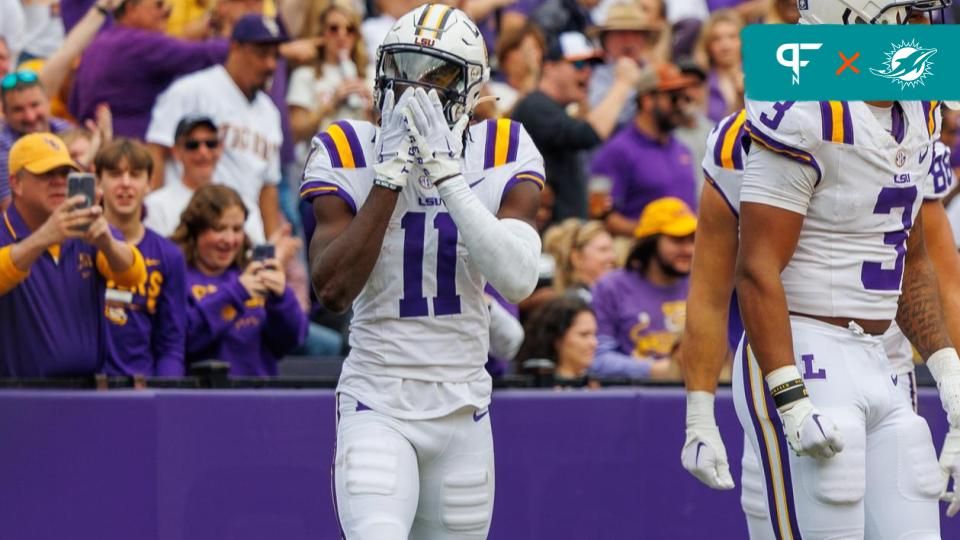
point(401, 66)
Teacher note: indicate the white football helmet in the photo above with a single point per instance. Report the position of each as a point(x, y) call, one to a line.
point(436, 47)
point(864, 11)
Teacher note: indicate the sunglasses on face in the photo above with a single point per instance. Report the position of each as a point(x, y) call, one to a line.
point(336, 29)
point(12, 80)
point(582, 64)
point(193, 144)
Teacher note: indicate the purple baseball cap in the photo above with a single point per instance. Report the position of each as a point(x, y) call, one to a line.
point(253, 28)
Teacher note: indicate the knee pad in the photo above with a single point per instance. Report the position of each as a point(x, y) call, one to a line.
point(919, 471)
point(466, 503)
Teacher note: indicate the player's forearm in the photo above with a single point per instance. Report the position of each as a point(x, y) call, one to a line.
point(763, 308)
point(704, 346)
point(941, 248)
point(342, 261)
point(919, 313)
point(507, 251)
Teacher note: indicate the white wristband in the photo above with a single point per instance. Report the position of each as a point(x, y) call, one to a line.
point(782, 375)
point(944, 362)
point(700, 408)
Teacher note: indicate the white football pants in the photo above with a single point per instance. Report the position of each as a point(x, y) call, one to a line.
point(885, 482)
point(420, 479)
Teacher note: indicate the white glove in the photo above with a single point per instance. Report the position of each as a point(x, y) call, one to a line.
point(438, 145)
point(950, 468)
point(394, 148)
point(944, 365)
point(704, 455)
point(393, 131)
point(808, 432)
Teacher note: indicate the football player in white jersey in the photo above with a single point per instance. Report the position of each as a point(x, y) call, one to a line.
point(413, 218)
point(830, 195)
point(707, 336)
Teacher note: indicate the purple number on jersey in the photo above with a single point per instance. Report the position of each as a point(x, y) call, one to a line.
point(447, 301)
point(781, 107)
point(942, 173)
point(872, 275)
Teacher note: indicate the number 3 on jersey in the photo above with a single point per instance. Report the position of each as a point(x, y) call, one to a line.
point(873, 275)
point(447, 301)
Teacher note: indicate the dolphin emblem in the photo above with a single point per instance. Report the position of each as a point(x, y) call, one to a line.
point(908, 64)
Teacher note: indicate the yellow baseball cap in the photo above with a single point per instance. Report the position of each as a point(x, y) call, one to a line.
point(669, 215)
point(39, 153)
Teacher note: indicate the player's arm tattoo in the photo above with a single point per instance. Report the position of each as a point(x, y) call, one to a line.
point(919, 313)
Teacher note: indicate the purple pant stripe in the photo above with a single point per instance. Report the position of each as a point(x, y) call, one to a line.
point(758, 432)
point(785, 460)
point(913, 392)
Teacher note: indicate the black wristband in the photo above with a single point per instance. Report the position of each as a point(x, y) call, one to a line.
point(106, 12)
point(793, 393)
point(384, 184)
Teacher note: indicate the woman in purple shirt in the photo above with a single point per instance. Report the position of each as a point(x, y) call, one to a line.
point(238, 311)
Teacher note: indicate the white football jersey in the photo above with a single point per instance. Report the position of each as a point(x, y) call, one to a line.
point(861, 195)
point(250, 133)
point(727, 148)
point(421, 315)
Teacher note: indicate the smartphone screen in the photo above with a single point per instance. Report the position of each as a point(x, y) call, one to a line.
point(262, 252)
point(82, 184)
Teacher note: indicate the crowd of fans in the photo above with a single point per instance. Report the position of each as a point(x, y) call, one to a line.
point(196, 117)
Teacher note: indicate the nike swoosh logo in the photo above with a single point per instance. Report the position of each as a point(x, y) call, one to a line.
point(816, 418)
point(482, 178)
point(478, 415)
point(923, 155)
point(699, 446)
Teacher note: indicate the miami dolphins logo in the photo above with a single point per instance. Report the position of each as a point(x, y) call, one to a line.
point(907, 64)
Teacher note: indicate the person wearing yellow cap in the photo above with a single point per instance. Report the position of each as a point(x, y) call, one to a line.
point(641, 309)
point(55, 260)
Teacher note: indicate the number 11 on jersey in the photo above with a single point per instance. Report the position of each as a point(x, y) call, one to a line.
point(447, 301)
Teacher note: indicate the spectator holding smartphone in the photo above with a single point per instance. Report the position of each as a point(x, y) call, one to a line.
point(55, 260)
point(147, 324)
point(238, 310)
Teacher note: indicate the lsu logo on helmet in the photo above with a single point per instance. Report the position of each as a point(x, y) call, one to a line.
point(436, 47)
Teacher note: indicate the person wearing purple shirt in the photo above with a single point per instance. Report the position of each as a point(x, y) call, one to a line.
point(132, 62)
point(641, 309)
point(147, 324)
point(644, 161)
point(56, 256)
point(237, 311)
